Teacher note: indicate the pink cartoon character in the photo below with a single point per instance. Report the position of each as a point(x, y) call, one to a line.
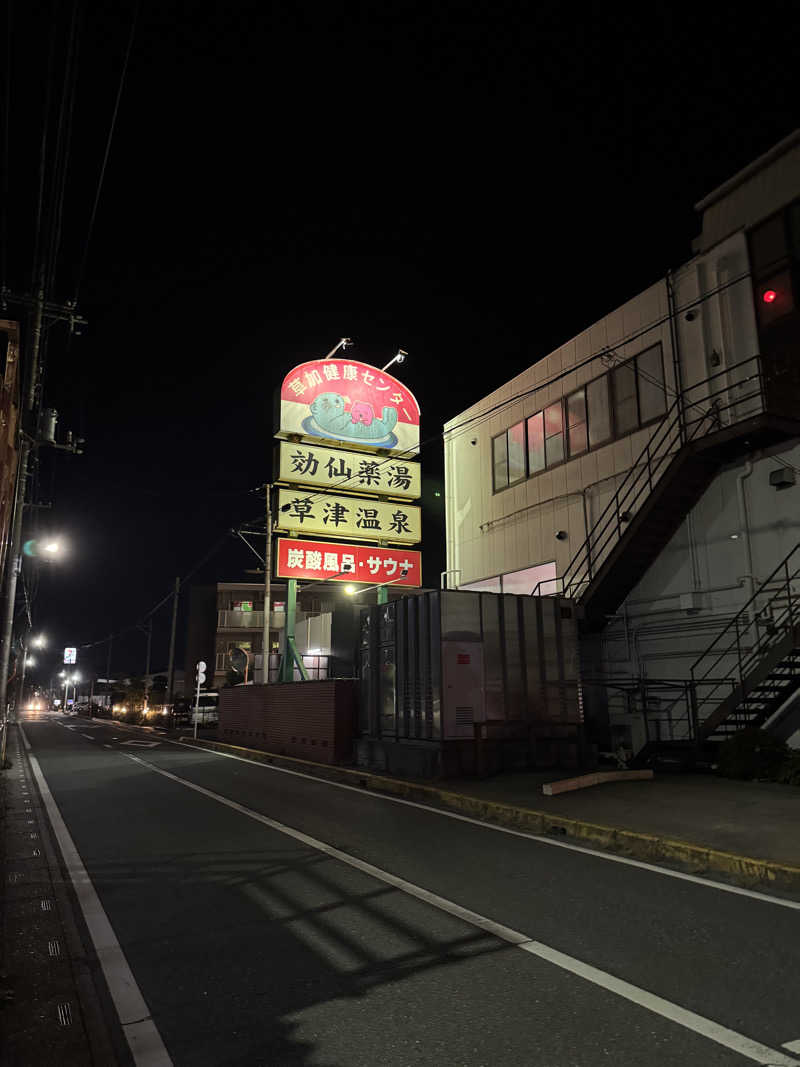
point(361, 411)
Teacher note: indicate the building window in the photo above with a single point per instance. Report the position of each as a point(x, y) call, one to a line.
point(775, 259)
point(650, 378)
point(540, 580)
point(516, 453)
point(576, 422)
point(626, 409)
point(631, 395)
point(508, 456)
point(486, 585)
point(500, 462)
point(554, 434)
point(536, 442)
point(599, 411)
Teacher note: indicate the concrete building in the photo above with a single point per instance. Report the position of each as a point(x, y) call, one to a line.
point(647, 471)
point(230, 616)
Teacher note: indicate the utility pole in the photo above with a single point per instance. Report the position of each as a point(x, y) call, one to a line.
point(13, 566)
point(265, 640)
point(171, 665)
point(108, 661)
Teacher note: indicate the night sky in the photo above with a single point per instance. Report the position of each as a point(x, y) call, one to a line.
point(473, 182)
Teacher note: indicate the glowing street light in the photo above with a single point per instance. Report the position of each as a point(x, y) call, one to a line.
point(30, 661)
point(39, 641)
point(52, 548)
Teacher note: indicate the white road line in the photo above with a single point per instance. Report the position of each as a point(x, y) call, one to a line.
point(707, 1028)
point(144, 1040)
point(88, 737)
point(609, 857)
point(792, 1046)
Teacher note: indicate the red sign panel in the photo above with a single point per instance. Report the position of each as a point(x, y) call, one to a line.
point(329, 561)
point(348, 401)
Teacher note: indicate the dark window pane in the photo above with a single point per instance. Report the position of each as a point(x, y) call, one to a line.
point(774, 298)
point(599, 411)
point(768, 245)
point(650, 371)
point(536, 443)
point(554, 433)
point(500, 461)
point(626, 412)
point(576, 422)
point(516, 453)
point(794, 229)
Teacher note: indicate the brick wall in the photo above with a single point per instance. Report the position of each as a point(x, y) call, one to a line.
point(309, 720)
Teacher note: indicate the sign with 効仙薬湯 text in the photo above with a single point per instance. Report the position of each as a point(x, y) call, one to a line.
point(348, 472)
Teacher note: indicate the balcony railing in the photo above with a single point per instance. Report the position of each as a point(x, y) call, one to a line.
point(240, 620)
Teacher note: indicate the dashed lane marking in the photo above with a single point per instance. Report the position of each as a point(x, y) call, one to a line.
point(690, 1020)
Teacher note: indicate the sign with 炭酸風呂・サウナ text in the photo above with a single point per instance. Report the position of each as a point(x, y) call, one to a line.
point(327, 561)
point(343, 400)
point(350, 517)
point(348, 472)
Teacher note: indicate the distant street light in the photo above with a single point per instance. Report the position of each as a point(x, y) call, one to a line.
point(39, 641)
point(30, 661)
point(52, 548)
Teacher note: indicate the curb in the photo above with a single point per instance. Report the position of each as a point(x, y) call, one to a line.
point(745, 870)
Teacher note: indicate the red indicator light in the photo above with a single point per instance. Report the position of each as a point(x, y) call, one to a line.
point(769, 296)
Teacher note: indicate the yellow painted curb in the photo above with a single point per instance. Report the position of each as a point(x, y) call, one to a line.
point(634, 843)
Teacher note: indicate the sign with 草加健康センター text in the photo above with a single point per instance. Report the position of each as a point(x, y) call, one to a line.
point(359, 518)
point(326, 561)
point(348, 472)
point(344, 400)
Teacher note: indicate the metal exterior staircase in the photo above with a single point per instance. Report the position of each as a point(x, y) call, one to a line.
point(708, 424)
point(757, 657)
point(745, 676)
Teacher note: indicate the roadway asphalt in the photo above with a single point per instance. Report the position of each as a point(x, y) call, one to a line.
point(250, 946)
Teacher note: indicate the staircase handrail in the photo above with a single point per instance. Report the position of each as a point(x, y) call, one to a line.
point(745, 610)
point(647, 467)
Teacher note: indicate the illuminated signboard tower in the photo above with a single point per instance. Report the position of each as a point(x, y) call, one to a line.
point(347, 433)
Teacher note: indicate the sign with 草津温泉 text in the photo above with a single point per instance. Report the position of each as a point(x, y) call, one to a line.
point(348, 472)
point(359, 518)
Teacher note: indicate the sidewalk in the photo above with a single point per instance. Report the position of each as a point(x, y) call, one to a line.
point(748, 832)
point(49, 1003)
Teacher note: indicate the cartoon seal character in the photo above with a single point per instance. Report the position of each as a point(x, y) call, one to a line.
point(331, 419)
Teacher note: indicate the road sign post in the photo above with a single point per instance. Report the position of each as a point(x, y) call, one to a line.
point(200, 675)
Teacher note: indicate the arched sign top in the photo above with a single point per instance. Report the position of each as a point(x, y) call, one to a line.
point(350, 402)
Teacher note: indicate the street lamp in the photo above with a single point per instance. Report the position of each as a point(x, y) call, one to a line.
point(30, 661)
point(39, 641)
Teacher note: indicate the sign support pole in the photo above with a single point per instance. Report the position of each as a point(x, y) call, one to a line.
point(265, 639)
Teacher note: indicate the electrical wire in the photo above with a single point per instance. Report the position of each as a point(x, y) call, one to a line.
point(109, 139)
point(6, 154)
point(36, 266)
point(484, 416)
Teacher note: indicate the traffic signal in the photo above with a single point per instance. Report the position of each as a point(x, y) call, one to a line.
point(200, 673)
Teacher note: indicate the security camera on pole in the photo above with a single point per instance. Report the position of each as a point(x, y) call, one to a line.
point(200, 677)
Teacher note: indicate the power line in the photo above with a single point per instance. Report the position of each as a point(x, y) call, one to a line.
point(6, 155)
point(486, 415)
point(93, 216)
